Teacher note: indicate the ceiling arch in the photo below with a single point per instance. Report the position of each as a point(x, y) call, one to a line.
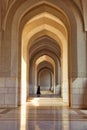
point(57, 36)
point(44, 44)
point(44, 21)
point(45, 64)
point(45, 58)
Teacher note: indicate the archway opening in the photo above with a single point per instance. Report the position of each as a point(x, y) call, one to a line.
point(45, 81)
point(44, 53)
point(33, 30)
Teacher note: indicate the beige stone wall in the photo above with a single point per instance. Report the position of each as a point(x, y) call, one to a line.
point(8, 92)
point(79, 92)
point(79, 78)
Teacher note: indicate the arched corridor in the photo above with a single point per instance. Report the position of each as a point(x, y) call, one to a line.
point(51, 45)
point(44, 64)
point(43, 43)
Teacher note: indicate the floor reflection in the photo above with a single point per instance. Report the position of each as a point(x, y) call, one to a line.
point(65, 119)
point(23, 118)
point(47, 115)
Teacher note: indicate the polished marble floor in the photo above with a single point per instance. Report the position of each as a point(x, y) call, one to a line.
point(43, 114)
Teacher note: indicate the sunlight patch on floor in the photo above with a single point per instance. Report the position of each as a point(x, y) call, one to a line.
point(39, 101)
point(46, 92)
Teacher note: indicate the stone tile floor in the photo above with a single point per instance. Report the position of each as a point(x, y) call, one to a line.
point(43, 114)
